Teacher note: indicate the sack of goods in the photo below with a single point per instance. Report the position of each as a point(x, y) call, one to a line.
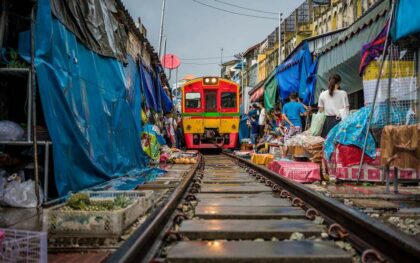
point(317, 123)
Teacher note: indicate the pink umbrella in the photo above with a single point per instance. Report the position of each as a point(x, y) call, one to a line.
point(170, 61)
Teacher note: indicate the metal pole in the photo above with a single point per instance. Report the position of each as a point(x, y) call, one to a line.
point(221, 57)
point(164, 48)
point(33, 98)
point(418, 85)
point(388, 110)
point(242, 77)
point(395, 180)
point(29, 110)
point(279, 32)
point(162, 19)
point(46, 170)
point(376, 88)
point(284, 39)
point(176, 79)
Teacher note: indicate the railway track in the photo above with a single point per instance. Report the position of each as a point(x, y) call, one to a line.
point(230, 210)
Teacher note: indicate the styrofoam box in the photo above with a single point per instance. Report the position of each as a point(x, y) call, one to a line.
point(98, 223)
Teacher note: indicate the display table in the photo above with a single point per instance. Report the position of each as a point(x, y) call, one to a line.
point(302, 172)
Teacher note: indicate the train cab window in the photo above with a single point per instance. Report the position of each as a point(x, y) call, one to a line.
point(193, 100)
point(228, 100)
point(211, 101)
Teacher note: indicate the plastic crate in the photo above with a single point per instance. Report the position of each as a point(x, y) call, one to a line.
point(106, 224)
point(23, 246)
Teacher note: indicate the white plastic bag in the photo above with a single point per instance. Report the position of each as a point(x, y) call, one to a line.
point(10, 131)
point(317, 123)
point(21, 194)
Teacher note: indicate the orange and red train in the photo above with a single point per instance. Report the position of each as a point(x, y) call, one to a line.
point(210, 113)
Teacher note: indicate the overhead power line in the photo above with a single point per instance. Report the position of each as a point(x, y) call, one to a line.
point(199, 64)
point(232, 12)
point(246, 8)
point(208, 58)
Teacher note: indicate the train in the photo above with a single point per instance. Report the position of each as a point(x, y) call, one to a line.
point(210, 113)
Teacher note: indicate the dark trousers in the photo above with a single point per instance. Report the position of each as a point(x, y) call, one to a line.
point(261, 130)
point(329, 123)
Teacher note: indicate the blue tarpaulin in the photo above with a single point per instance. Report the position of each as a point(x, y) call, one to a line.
point(311, 83)
point(293, 73)
point(165, 104)
point(407, 19)
point(88, 102)
point(243, 128)
point(148, 86)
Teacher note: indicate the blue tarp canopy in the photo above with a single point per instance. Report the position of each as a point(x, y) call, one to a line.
point(149, 90)
point(93, 126)
point(293, 73)
point(407, 19)
point(164, 102)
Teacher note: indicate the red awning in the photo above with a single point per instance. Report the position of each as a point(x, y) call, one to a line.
point(256, 95)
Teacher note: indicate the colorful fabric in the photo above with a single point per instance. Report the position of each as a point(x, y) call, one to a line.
point(372, 50)
point(151, 140)
point(352, 131)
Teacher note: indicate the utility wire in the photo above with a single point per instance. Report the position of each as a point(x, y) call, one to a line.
point(246, 8)
point(208, 58)
point(235, 13)
point(199, 64)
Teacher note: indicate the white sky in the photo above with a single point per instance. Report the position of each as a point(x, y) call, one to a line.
point(197, 31)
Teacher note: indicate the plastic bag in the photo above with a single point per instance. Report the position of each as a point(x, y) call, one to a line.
point(317, 123)
point(21, 194)
point(10, 131)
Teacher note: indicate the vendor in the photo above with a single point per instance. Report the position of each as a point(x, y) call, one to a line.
point(331, 102)
point(254, 130)
point(292, 112)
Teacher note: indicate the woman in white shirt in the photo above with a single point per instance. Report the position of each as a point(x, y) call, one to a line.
point(331, 102)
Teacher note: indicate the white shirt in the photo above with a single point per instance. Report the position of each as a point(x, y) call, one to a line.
point(261, 118)
point(332, 104)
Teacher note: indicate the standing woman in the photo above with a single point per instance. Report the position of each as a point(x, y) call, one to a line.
point(331, 102)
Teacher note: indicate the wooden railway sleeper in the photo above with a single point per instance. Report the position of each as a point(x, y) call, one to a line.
point(337, 232)
point(372, 256)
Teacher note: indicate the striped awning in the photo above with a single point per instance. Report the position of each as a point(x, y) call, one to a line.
point(257, 94)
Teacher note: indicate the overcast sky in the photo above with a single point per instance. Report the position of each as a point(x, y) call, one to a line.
point(197, 31)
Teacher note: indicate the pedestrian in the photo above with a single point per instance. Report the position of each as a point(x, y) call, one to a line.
point(254, 130)
point(292, 112)
point(261, 120)
point(170, 125)
point(179, 133)
point(332, 101)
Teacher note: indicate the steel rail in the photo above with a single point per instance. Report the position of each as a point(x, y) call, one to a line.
point(392, 243)
point(139, 246)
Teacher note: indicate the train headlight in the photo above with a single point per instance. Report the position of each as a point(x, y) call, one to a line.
point(210, 81)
